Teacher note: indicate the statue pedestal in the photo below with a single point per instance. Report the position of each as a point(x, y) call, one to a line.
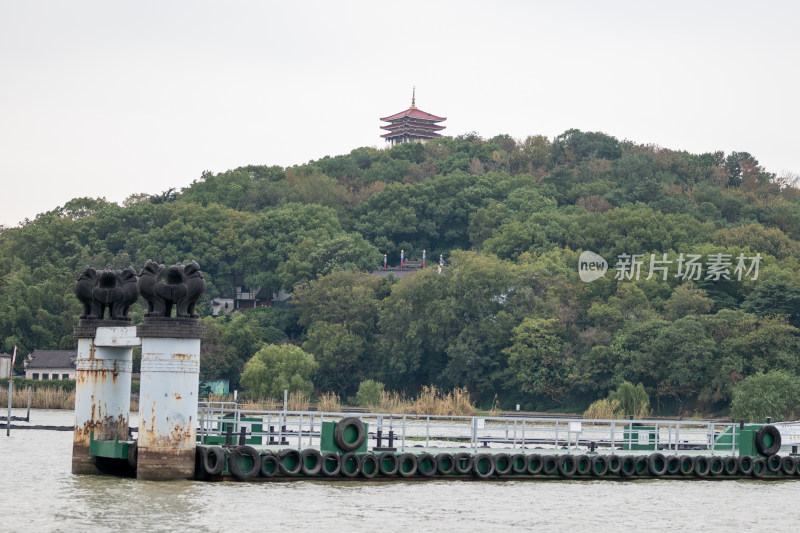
point(102, 386)
point(170, 378)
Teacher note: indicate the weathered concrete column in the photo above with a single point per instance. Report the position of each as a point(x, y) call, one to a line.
point(170, 378)
point(102, 386)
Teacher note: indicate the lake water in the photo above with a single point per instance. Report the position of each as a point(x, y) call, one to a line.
point(38, 493)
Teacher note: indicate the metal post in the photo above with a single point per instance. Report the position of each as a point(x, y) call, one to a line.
point(10, 394)
point(28, 415)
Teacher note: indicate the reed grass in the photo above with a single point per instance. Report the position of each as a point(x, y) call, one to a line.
point(604, 409)
point(430, 401)
point(329, 402)
point(41, 398)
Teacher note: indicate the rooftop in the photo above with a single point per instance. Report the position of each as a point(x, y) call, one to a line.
point(51, 359)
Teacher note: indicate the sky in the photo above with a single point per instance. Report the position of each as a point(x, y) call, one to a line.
point(110, 99)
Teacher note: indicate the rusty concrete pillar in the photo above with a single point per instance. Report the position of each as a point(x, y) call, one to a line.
point(102, 386)
point(170, 378)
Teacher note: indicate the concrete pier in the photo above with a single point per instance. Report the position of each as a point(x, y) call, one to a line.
point(102, 386)
point(170, 374)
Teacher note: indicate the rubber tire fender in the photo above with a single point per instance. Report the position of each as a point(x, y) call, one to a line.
point(283, 455)
point(519, 463)
point(269, 465)
point(773, 464)
point(133, 454)
point(745, 465)
point(409, 458)
point(614, 464)
point(788, 465)
point(390, 470)
point(348, 458)
point(583, 465)
point(640, 465)
point(673, 465)
point(731, 466)
point(342, 426)
point(463, 464)
point(502, 464)
point(479, 459)
point(628, 466)
point(241, 451)
point(216, 465)
point(534, 464)
point(657, 464)
point(549, 464)
point(426, 464)
point(304, 456)
point(567, 465)
point(702, 466)
point(327, 458)
point(687, 465)
point(716, 465)
point(373, 469)
point(765, 433)
point(445, 463)
point(599, 465)
point(759, 467)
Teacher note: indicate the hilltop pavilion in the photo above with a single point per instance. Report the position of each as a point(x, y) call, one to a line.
point(412, 125)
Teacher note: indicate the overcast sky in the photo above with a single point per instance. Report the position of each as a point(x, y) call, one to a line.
point(108, 99)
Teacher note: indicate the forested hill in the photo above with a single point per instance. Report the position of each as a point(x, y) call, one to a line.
point(509, 317)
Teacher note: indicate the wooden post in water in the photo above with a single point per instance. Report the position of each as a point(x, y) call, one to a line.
point(10, 393)
point(28, 416)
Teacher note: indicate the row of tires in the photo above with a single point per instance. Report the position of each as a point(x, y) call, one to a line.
point(246, 462)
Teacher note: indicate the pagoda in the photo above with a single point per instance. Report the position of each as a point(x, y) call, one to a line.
point(412, 125)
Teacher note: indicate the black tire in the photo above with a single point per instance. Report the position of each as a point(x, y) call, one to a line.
point(716, 466)
point(519, 463)
point(310, 462)
point(730, 466)
point(502, 464)
point(534, 464)
point(463, 464)
point(244, 452)
point(614, 464)
point(640, 464)
point(342, 434)
point(483, 465)
point(702, 466)
point(269, 465)
point(351, 465)
point(788, 465)
point(214, 460)
point(773, 464)
point(387, 464)
point(759, 467)
point(331, 464)
point(687, 465)
point(133, 454)
point(599, 465)
point(583, 465)
point(673, 465)
point(628, 467)
point(567, 466)
point(768, 441)
point(745, 465)
point(445, 463)
point(426, 464)
point(369, 465)
point(289, 462)
point(657, 464)
point(407, 465)
point(549, 465)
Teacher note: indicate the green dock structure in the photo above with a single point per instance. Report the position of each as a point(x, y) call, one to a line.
point(235, 444)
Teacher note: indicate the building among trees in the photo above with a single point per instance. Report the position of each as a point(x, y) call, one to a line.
point(412, 125)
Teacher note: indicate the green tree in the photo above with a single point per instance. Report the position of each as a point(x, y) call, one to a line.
point(274, 369)
point(535, 359)
point(774, 394)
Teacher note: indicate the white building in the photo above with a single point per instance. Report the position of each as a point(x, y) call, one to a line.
point(51, 364)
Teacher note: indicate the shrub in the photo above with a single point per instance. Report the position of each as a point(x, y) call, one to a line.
point(774, 394)
point(369, 393)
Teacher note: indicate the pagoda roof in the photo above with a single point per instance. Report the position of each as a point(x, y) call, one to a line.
point(413, 125)
point(413, 112)
point(400, 133)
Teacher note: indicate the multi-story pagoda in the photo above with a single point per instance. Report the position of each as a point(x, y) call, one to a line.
point(411, 125)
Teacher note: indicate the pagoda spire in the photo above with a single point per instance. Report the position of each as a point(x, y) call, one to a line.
point(414, 98)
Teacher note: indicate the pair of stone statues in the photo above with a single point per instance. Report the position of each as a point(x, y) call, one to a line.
point(179, 286)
